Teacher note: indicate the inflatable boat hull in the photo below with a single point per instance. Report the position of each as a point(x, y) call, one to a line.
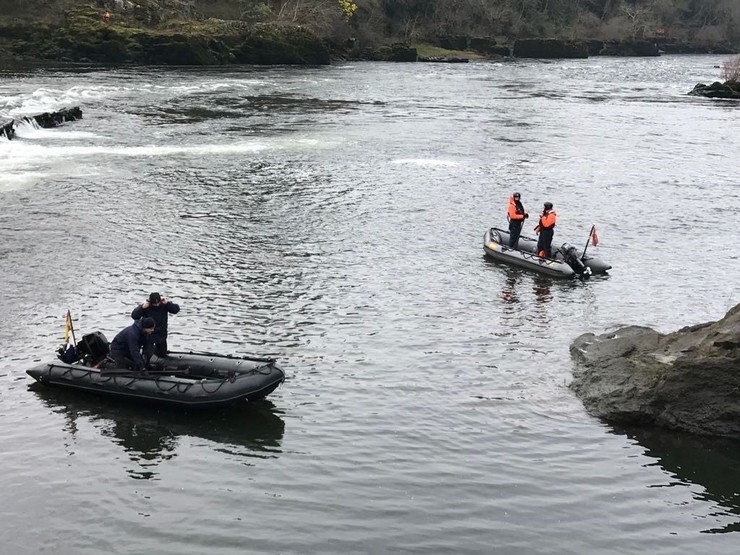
point(495, 245)
point(197, 380)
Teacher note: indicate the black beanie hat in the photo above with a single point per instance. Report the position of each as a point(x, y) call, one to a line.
point(147, 322)
point(154, 298)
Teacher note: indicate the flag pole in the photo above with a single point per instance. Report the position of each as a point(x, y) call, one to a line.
point(71, 327)
point(588, 241)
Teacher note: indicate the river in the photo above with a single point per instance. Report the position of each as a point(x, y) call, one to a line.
point(333, 217)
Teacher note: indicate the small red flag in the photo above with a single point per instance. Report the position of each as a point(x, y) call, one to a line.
point(594, 237)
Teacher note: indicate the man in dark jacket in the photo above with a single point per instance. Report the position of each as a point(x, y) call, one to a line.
point(127, 346)
point(157, 308)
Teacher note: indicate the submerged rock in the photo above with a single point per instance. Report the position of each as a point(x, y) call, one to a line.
point(46, 120)
point(688, 380)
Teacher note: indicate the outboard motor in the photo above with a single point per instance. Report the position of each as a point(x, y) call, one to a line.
point(571, 258)
point(93, 348)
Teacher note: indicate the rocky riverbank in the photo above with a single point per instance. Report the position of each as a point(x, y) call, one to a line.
point(688, 380)
point(127, 39)
point(203, 43)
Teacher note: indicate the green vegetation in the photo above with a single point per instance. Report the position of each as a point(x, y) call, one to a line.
point(215, 31)
point(430, 51)
point(413, 20)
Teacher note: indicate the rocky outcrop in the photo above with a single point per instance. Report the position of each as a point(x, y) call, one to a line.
point(729, 89)
point(46, 120)
point(680, 47)
point(549, 48)
point(453, 42)
point(486, 46)
point(630, 48)
point(7, 130)
point(594, 47)
point(278, 44)
point(688, 380)
point(399, 52)
point(209, 43)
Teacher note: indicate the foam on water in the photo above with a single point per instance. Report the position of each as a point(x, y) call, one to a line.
point(425, 162)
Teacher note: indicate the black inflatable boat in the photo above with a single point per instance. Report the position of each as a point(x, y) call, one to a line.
point(198, 380)
point(566, 262)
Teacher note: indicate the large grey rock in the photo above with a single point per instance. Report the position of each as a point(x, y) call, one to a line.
point(549, 48)
point(630, 48)
point(729, 89)
point(688, 380)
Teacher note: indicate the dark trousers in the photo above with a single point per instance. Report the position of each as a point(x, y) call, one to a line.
point(156, 347)
point(544, 243)
point(515, 230)
point(122, 360)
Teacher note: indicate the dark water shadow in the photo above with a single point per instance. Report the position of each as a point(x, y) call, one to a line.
point(713, 463)
point(151, 434)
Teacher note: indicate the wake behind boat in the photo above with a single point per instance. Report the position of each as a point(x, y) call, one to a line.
point(198, 380)
point(567, 261)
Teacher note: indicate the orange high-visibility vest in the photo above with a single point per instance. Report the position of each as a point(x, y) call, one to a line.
point(548, 219)
point(513, 212)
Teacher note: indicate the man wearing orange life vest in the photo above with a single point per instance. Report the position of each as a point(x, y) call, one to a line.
point(516, 215)
point(546, 229)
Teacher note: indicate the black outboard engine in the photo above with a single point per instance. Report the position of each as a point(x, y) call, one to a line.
point(570, 255)
point(92, 348)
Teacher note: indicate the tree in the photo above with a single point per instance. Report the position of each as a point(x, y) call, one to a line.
point(640, 17)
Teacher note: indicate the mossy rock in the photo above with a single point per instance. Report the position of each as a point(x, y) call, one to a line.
point(401, 52)
point(182, 50)
point(97, 42)
point(277, 44)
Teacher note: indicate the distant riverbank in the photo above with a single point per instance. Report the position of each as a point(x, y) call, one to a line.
point(223, 42)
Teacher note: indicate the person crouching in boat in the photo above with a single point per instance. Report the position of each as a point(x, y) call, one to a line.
point(546, 230)
point(130, 343)
point(516, 215)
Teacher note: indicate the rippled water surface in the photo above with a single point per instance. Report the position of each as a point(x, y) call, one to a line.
point(333, 217)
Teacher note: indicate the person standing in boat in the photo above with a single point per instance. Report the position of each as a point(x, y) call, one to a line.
point(546, 230)
point(158, 308)
point(129, 345)
point(516, 215)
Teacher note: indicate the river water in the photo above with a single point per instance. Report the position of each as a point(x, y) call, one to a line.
point(333, 217)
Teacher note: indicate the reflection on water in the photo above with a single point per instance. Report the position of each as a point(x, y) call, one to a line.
point(542, 289)
point(150, 435)
point(517, 279)
point(712, 463)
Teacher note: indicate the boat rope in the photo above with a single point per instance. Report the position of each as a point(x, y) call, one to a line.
point(258, 370)
point(70, 372)
point(263, 369)
point(536, 257)
point(183, 389)
point(114, 378)
point(219, 386)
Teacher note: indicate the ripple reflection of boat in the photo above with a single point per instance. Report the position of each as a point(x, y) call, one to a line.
point(152, 433)
point(713, 463)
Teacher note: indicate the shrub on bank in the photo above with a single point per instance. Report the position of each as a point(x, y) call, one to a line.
point(731, 70)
